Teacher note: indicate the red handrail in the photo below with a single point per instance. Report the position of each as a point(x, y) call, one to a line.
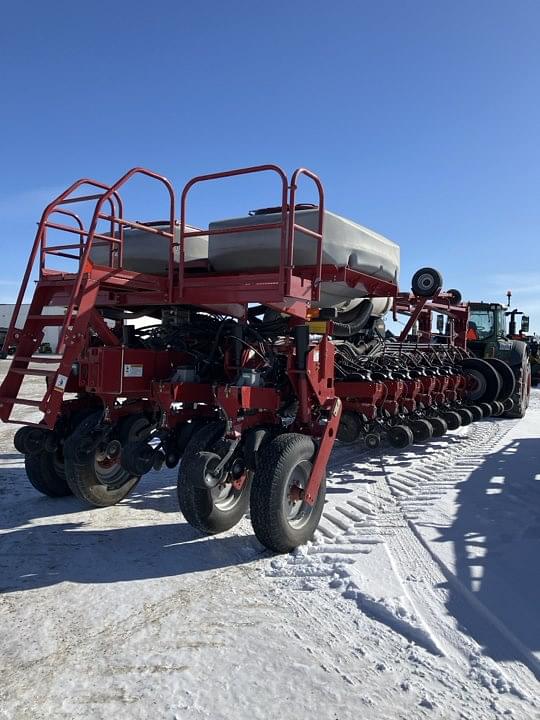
point(112, 191)
point(287, 224)
point(40, 244)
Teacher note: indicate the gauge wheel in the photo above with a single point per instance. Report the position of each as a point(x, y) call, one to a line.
point(212, 510)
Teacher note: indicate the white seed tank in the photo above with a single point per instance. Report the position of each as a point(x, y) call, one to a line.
point(344, 243)
point(146, 252)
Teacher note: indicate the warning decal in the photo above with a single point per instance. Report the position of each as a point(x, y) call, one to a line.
point(133, 370)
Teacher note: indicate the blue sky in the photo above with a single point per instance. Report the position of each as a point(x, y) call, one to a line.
point(422, 118)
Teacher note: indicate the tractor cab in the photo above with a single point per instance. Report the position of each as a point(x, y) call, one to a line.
point(486, 327)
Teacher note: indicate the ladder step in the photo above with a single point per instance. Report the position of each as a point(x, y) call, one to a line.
point(20, 401)
point(32, 371)
point(47, 320)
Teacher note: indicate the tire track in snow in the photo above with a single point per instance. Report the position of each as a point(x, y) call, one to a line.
point(378, 501)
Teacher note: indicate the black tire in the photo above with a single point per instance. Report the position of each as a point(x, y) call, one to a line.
point(488, 382)
point(422, 430)
point(523, 390)
point(466, 416)
point(400, 436)
point(210, 511)
point(508, 379)
point(282, 523)
point(486, 409)
point(96, 483)
point(439, 426)
point(350, 428)
point(452, 419)
point(455, 296)
point(476, 412)
point(497, 408)
point(372, 441)
point(46, 473)
point(426, 282)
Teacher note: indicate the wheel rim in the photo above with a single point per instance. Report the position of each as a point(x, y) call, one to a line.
point(226, 495)
point(296, 510)
point(426, 281)
point(110, 473)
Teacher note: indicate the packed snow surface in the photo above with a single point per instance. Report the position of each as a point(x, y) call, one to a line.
point(418, 598)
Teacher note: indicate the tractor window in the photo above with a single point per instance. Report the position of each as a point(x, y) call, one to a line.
point(483, 321)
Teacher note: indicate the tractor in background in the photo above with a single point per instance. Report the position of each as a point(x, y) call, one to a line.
point(488, 338)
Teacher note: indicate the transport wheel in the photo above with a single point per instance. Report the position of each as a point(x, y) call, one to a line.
point(485, 383)
point(466, 416)
point(372, 441)
point(439, 426)
point(422, 430)
point(476, 412)
point(46, 473)
point(281, 518)
point(486, 409)
point(400, 436)
point(453, 420)
point(214, 509)
point(350, 428)
point(426, 282)
point(93, 469)
point(455, 296)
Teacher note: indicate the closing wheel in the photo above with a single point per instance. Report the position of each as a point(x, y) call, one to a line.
point(476, 412)
point(93, 468)
point(426, 282)
point(453, 420)
point(350, 428)
point(422, 430)
point(211, 502)
point(486, 409)
point(439, 426)
point(372, 441)
point(466, 416)
point(497, 408)
point(400, 436)
point(281, 518)
point(483, 381)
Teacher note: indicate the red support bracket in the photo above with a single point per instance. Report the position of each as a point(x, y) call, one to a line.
point(323, 454)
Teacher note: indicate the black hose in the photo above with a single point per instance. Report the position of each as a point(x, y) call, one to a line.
point(352, 322)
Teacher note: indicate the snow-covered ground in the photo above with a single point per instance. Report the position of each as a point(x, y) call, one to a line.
point(419, 597)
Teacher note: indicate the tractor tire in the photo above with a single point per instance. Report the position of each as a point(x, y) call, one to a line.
point(98, 482)
point(439, 426)
point(281, 519)
point(523, 391)
point(452, 419)
point(215, 510)
point(400, 436)
point(46, 473)
point(426, 282)
point(422, 430)
point(487, 381)
point(508, 378)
